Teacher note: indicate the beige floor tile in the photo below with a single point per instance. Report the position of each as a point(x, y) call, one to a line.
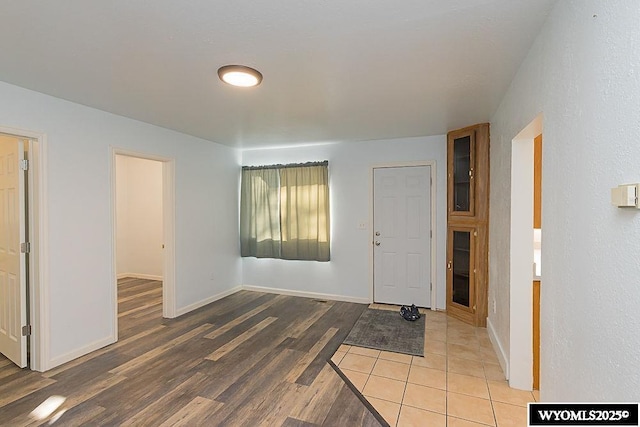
point(395, 357)
point(462, 334)
point(388, 410)
point(358, 379)
point(465, 384)
point(463, 352)
point(489, 355)
point(435, 335)
point(384, 388)
point(458, 422)
point(389, 369)
point(470, 408)
point(428, 398)
point(356, 362)
point(337, 357)
point(465, 367)
point(501, 392)
point(510, 415)
point(428, 377)
point(437, 347)
point(431, 360)
point(493, 372)
point(344, 347)
point(362, 351)
point(466, 340)
point(414, 417)
point(536, 395)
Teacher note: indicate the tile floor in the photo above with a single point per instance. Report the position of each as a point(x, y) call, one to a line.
point(458, 382)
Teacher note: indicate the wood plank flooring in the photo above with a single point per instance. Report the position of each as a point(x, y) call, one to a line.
point(248, 359)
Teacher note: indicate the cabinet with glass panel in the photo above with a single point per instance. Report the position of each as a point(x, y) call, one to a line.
point(467, 219)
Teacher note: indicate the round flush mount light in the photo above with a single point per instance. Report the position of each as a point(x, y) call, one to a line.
point(239, 75)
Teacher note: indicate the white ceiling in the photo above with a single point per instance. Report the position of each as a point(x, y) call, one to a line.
point(334, 70)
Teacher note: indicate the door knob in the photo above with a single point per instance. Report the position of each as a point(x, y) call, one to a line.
point(377, 243)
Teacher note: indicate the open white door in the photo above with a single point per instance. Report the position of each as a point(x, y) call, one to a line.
point(13, 289)
point(402, 235)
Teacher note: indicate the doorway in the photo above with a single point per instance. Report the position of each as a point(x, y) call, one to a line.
point(13, 250)
point(522, 257)
point(402, 235)
point(143, 218)
point(26, 303)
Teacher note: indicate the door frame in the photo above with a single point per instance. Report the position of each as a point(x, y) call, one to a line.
point(519, 369)
point(38, 316)
point(168, 225)
point(432, 206)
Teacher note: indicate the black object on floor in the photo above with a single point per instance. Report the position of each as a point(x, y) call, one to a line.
point(385, 330)
point(410, 313)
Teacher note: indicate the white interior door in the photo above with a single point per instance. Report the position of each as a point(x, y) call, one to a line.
point(13, 289)
point(402, 235)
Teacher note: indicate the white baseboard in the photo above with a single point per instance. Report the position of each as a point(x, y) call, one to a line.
point(74, 354)
point(202, 303)
point(138, 276)
point(499, 349)
point(306, 294)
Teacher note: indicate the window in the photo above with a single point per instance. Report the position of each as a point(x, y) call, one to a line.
point(284, 212)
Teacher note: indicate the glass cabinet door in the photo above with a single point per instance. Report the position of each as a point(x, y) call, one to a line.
point(461, 165)
point(461, 268)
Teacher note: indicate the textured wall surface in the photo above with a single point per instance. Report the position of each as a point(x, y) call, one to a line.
point(80, 239)
point(348, 273)
point(139, 230)
point(583, 74)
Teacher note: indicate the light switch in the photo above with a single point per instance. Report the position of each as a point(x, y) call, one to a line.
point(625, 195)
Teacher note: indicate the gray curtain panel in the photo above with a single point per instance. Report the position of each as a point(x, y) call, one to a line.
point(304, 212)
point(284, 212)
point(260, 213)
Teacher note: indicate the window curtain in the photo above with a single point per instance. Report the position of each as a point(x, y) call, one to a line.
point(284, 212)
point(260, 213)
point(304, 212)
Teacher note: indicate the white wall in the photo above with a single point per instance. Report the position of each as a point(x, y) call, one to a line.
point(139, 218)
point(348, 274)
point(582, 74)
point(80, 231)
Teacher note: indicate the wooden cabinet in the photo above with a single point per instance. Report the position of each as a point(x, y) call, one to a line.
point(467, 223)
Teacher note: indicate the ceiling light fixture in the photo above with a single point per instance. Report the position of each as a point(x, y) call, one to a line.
point(239, 75)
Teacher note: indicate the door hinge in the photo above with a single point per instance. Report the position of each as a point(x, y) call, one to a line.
point(25, 247)
point(24, 164)
point(26, 330)
point(431, 234)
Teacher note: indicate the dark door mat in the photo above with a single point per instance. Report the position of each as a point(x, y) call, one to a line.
point(388, 331)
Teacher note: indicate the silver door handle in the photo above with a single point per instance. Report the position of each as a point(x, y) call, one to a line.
point(377, 243)
point(377, 233)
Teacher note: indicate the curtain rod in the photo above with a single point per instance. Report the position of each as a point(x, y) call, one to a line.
point(290, 165)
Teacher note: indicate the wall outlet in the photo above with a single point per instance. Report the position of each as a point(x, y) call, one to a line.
point(362, 225)
point(494, 306)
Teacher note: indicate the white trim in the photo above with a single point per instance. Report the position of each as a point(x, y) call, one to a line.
point(202, 303)
point(138, 276)
point(168, 219)
point(79, 352)
point(434, 263)
point(304, 294)
point(498, 348)
point(38, 236)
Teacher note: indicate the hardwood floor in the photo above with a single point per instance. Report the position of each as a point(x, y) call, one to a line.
point(248, 359)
